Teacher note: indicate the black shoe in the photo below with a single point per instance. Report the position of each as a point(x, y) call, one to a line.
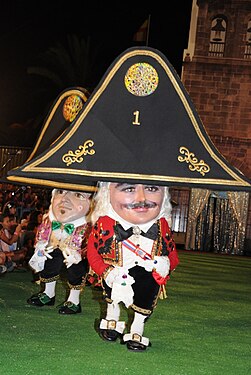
point(69, 308)
point(41, 299)
point(135, 346)
point(109, 334)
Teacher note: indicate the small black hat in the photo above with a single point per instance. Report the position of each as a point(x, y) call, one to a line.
point(139, 126)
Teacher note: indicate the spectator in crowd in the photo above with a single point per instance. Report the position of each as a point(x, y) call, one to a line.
point(36, 217)
point(28, 243)
point(1, 201)
point(13, 222)
point(25, 219)
point(29, 198)
point(40, 206)
point(7, 196)
point(3, 268)
point(10, 209)
point(9, 241)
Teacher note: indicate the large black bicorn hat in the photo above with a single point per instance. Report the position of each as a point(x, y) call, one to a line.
point(138, 126)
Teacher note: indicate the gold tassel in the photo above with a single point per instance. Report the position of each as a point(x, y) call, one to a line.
point(163, 293)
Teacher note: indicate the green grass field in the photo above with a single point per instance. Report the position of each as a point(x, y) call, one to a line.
point(203, 327)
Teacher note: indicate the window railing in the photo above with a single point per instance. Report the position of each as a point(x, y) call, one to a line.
point(247, 52)
point(216, 49)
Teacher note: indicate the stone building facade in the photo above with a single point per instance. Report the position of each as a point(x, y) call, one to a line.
point(217, 75)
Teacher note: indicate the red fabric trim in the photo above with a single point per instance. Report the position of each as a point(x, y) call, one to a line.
point(159, 279)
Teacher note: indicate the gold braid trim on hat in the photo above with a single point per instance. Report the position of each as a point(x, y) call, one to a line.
point(195, 164)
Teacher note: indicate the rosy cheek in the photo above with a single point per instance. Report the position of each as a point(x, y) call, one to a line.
point(83, 208)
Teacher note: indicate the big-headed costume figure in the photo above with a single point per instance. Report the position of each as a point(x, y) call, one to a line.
point(61, 240)
point(132, 249)
point(139, 126)
point(62, 236)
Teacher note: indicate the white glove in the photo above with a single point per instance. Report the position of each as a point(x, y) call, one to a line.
point(39, 257)
point(36, 262)
point(119, 275)
point(71, 257)
point(109, 279)
point(122, 293)
point(147, 264)
point(162, 265)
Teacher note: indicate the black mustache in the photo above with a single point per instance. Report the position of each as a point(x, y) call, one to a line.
point(140, 205)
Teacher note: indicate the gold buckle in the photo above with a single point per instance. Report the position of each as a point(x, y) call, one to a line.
point(111, 324)
point(136, 337)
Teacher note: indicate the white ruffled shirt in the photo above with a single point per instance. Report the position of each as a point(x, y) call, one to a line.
point(130, 259)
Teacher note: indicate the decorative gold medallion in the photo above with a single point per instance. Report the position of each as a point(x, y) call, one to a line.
point(141, 79)
point(72, 107)
point(195, 164)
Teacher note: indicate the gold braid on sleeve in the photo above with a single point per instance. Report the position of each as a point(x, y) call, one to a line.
point(107, 271)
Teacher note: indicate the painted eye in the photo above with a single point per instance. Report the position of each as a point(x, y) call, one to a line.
point(80, 195)
point(152, 188)
point(129, 189)
point(60, 191)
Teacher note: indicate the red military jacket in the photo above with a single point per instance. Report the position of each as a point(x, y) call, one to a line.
point(104, 250)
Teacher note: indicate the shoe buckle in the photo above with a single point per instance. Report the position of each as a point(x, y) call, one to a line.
point(71, 306)
point(111, 324)
point(44, 298)
point(136, 337)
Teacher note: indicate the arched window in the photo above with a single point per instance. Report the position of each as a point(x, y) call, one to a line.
point(217, 36)
point(247, 53)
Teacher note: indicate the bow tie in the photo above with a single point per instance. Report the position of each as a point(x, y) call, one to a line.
point(122, 234)
point(69, 228)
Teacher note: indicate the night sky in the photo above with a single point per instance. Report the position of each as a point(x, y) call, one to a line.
point(28, 28)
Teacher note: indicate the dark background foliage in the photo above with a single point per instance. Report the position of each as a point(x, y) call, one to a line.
point(48, 46)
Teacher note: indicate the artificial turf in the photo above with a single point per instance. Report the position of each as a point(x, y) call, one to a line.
point(202, 327)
